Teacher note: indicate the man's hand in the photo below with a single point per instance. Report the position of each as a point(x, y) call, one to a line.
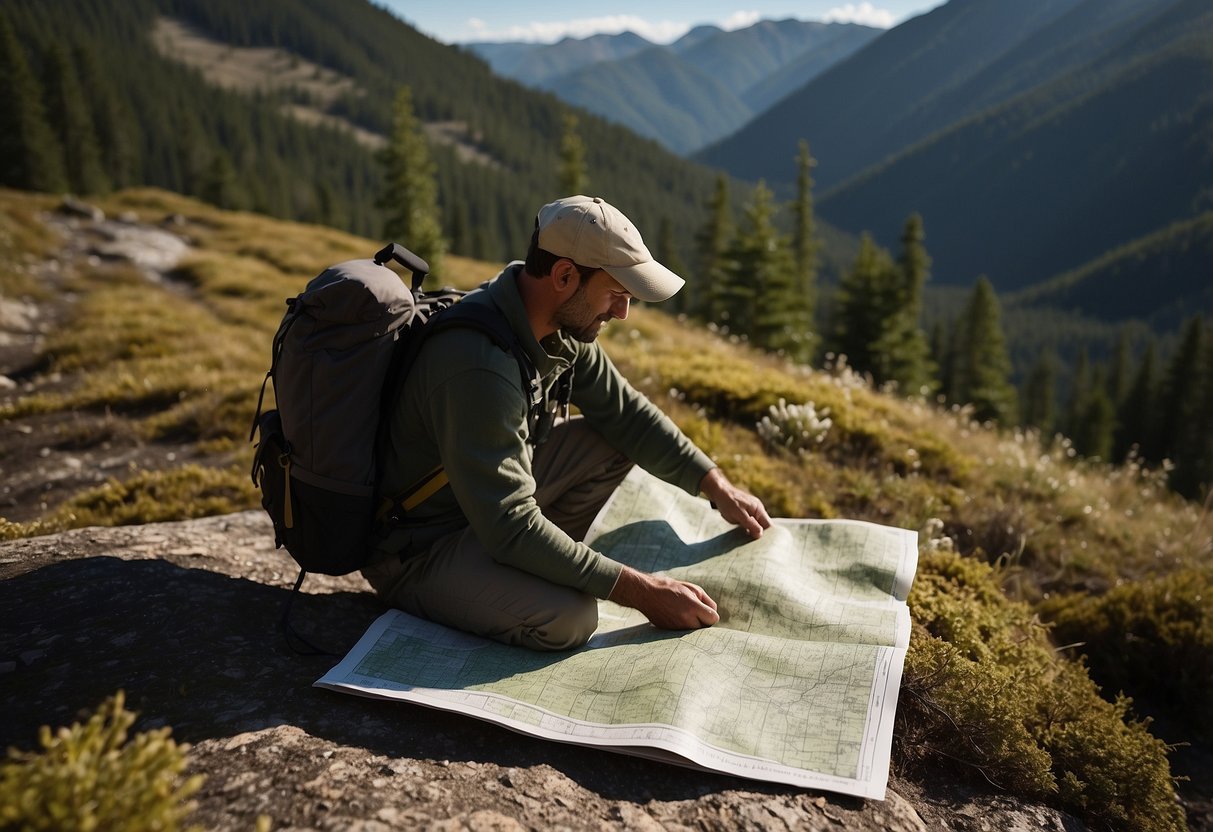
point(735, 505)
point(667, 603)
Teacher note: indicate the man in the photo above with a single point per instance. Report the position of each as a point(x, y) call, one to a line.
point(497, 553)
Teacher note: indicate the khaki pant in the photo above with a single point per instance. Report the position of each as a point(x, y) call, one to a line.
point(456, 582)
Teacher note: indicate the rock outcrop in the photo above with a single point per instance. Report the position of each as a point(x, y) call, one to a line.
point(185, 618)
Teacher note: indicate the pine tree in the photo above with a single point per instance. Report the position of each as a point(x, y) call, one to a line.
point(1177, 404)
point(901, 353)
point(1040, 397)
point(706, 295)
point(410, 196)
point(805, 242)
point(864, 298)
point(1186, 421)
point(766, 300)
point(573, 177)
point(1093, 434)
point(72, 123)
point(983, 368)
point(220, 187)
point(1193, 476)
point(942, 352)
point(667, 255)
point(30, 156)
point(1118, 374)
point(1080, 389)
point(113, 122)
point(1136, 414)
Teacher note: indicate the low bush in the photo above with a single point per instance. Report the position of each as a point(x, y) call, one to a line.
point(1152, 639)
point(984, 689)
point(147, 497)
point(90, 777)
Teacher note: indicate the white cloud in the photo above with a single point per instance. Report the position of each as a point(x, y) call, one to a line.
point(662, 31)
point(864, 13)
point(740, 20)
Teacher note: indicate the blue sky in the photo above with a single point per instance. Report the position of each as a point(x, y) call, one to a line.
point(660, 21)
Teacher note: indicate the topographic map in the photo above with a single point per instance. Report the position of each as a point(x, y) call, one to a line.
point(797, 684)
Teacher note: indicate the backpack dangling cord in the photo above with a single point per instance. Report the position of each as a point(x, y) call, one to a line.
point(290, 632)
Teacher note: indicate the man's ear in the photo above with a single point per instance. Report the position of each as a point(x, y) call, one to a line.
point(564, 274)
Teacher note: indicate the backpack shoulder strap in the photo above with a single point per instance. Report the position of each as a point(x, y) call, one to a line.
point(491, 322)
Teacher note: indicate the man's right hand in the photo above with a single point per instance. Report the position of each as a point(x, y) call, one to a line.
point(667, 603)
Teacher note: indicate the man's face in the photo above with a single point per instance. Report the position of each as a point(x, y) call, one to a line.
point(598, 298)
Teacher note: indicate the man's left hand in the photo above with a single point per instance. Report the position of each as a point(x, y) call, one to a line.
point(735, 504)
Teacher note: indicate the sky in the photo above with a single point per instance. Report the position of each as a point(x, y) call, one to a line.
point(661, 21)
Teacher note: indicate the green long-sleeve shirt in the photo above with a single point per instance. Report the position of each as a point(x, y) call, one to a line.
point(463, 407)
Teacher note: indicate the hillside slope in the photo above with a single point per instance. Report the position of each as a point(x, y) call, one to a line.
point(1161, 279)
point(166, 361)
point(1057, 176)
point(1030, 144)
point(856, 113)
point(496, 143)
point(658, 95)
point(696, 90)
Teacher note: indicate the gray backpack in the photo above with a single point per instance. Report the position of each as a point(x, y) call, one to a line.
point(339, 357)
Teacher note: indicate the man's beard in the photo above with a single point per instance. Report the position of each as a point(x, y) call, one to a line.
point(577, 320)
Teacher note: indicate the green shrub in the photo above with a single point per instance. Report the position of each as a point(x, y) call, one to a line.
point(1151, 639)
point(985, 689)
point(147, 497)
point(89, 777)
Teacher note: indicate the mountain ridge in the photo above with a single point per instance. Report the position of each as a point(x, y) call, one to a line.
point(708, 84)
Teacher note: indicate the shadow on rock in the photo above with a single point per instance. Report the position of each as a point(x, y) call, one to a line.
point(202, 652)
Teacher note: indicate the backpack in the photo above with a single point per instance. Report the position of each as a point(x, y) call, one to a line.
point(338, 360)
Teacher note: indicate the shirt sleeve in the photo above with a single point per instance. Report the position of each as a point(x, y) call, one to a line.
point(632, 424)
point(479, 417)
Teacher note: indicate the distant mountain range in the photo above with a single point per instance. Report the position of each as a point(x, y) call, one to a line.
point(685, 95)
point(1033, 138)
point(1064, 148)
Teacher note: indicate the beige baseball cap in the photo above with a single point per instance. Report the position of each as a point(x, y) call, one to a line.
point(595, 234)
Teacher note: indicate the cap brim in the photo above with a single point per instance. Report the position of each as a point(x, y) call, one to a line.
point(650, 282)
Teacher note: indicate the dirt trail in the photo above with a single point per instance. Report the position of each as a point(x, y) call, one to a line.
point(46, 458)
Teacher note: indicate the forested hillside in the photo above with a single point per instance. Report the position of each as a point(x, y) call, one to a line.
point(658, 95)
point(1159, 279)
point(1065, 172)
point(156, 121)
point(703, 86)
point(1030, 138)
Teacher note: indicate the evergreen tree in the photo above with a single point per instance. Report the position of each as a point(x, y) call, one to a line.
point(805, 242)
point(1080, 389)
point(942, 351)
point(1118, 375)
point(30, 156)
point(410, 196)
point(113, 121)
point(764, 293)
point(1193, 474)
point(1093, 434)
point(72, 123)
point(901, 353)
point(707, 298)
point(1135, 415)
point(573, 177)
point(1177, 403)
point(1040, 397)
point(864, 298)
point(667, 255)
point(983, 369)
point(220, 186)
